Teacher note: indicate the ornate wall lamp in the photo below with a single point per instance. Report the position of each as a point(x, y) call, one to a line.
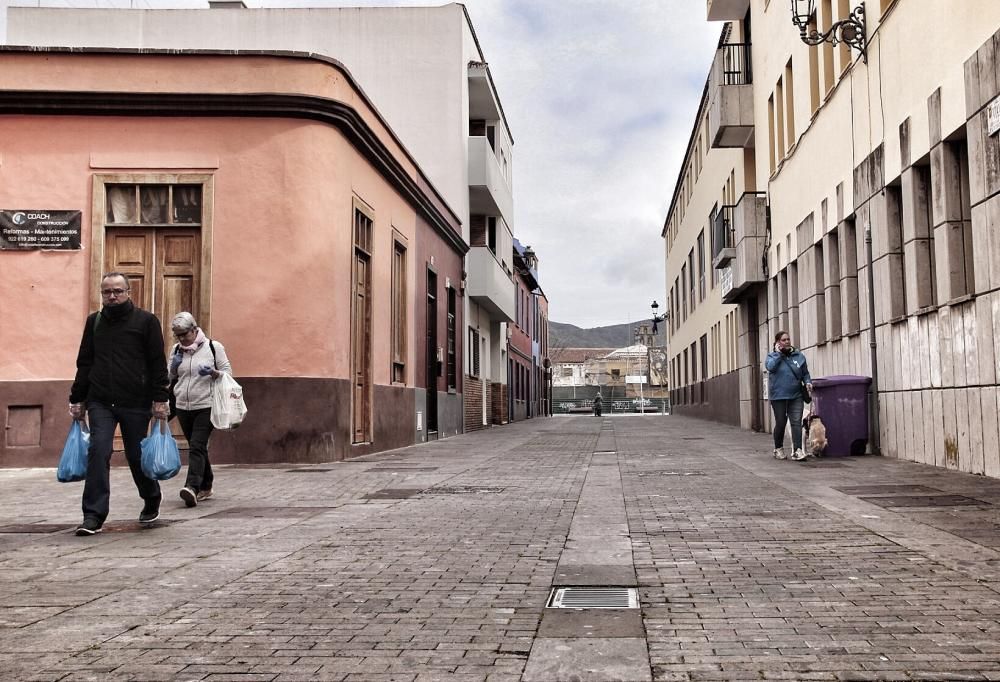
point(850, 30)
point(657, 318)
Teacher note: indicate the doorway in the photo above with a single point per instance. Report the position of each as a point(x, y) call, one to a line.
point(433, 364)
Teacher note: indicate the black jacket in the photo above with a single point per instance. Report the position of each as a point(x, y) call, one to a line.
point(121, 359)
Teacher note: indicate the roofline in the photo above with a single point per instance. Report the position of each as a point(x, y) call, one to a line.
point(690, 146)
point(489, 74)
point(417, 191)
point(290, 54)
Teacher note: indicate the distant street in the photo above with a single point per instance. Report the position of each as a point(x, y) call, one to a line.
point(436, 562)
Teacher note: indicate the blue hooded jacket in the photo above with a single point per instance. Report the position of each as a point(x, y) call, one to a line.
point(782, 384)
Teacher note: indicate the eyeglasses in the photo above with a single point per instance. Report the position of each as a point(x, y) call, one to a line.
point(181, 335)
point(113, 292)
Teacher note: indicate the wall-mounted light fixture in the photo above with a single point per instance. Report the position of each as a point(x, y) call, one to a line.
point(850, 30)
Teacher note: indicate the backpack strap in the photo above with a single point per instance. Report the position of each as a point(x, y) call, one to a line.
point(215, 360)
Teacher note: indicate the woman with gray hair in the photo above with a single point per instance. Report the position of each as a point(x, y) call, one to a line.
point(195, 362)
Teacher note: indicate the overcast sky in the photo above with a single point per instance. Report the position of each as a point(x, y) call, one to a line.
point(600, 96)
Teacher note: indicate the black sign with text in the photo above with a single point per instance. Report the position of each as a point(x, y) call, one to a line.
point(39, 229)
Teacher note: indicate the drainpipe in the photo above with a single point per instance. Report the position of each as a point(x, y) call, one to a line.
point(873, 433)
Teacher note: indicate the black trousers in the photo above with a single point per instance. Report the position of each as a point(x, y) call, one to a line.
point(197, 428)
point(787, 411)
point(134, 423)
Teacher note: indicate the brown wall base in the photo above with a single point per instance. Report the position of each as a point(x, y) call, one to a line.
point(717, 399)
point(289, 420)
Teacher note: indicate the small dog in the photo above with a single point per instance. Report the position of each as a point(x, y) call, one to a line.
point(815, 434)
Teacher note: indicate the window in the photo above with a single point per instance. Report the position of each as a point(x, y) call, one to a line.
point(820, 289)
point(491, 234)
point(771, 134)
point(895, 266)
point(398, 333)
point(849, 278)
point(918, 237)
point(790, 103)
point(833, 302)
point(953, 222)
point(363, 231)
point(813, 73)
point(704, 356)
point(473, 352)
point(452, 370)
point(683, 295)
point(141, 204)
point(826, 19)
point(691, 277)
point(701, 266)
point(779, 123)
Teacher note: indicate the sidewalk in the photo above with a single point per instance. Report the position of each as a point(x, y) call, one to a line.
point(435, 562)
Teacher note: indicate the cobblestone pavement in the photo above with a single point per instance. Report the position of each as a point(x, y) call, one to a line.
point(435, 562)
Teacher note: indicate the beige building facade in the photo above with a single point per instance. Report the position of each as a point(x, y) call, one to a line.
point(895, 148)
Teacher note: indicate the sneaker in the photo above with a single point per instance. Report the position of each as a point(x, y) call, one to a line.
point(779, 453)
point(150, 511)
point(203, 495)
point(89, 527)
point(189, 496)
point(798, 455)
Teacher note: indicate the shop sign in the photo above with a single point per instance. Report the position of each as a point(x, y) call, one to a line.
point(39, 229)
point(993, 116)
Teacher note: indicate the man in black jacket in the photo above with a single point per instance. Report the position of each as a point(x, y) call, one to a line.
point(121, 372)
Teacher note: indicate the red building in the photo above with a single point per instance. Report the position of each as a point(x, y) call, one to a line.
point(528, 346)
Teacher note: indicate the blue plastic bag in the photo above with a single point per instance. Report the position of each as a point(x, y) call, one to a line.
point(73, 463)
point(161, 459)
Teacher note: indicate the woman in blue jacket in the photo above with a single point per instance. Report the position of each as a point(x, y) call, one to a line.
point(786, 370)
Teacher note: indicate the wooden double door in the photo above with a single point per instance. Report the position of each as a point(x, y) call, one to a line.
point(162, 266)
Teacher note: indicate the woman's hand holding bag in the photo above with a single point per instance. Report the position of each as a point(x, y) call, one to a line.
point(161, 458)
point(73, 462)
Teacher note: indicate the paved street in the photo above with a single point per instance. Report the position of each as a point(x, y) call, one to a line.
point(436, 562)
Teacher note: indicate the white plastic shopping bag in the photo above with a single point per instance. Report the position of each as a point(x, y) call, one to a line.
point(228, 408)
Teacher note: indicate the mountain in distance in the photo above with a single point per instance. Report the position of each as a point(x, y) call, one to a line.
point(612, 336)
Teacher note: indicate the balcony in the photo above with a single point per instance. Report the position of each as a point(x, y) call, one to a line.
point(489, 285)
point(723, 243)
point(727, 10)
point(489, 192)
point(749, 222)
point(730, 107)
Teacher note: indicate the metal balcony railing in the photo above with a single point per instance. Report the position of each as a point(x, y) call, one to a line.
point(723, 234)
point(736, 64)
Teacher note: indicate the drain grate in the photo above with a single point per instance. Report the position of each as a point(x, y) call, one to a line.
point(402, 468)
point(269, 512)
point(670, 473)
point(465, 490)
point(35, 528)
point(307, 471)
point(392, 494)
point(925, 501)
point(886, 489)
point(594, 598)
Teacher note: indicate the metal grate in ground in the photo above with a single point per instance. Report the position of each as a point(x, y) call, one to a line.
point(594, 598)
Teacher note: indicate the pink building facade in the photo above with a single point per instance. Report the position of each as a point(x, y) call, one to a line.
point(265, 194)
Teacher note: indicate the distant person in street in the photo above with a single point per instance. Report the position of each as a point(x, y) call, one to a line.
point(121, 381)
point(195, 362)
point(787, 371)
point(597, 404)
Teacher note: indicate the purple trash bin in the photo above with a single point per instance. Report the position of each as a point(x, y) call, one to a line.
point(842, 403)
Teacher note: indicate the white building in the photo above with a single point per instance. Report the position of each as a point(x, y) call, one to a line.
point(425, 72)
point(833, 168)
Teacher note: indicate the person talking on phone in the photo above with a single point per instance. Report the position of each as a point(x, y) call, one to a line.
point(787, 377)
